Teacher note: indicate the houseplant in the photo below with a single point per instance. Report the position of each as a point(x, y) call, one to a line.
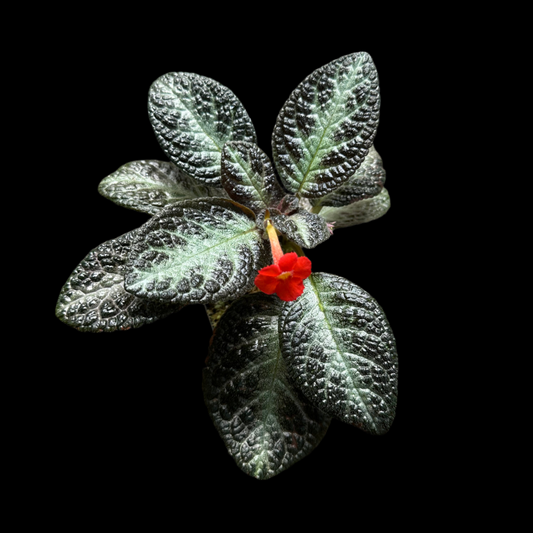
point(291, 347)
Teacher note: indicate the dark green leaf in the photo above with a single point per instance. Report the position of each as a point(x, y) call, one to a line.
point(148, 186)
point(193, 116)
point(305, 229)
point(196, 251)
point(326, 127)
point(94, 299)
point(367, 182)
point(266, 425)
point(358, 212)
point(248, 176)
point(341, 352)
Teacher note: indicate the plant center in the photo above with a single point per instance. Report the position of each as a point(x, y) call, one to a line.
point(285, 275)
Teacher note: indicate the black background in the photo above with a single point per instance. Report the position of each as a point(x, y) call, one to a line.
point(123, 413)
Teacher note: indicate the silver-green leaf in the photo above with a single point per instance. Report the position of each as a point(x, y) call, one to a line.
point(93, 298)
point(196, 251)
point(325, 129)
point(358, 212)
point(193, 116)
point(148, 186)
point(340, 351)
point(305, 229)
point(248, 176)
point(264, 422)
point(367, 182)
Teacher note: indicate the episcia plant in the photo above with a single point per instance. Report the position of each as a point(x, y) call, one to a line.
point(291, 348)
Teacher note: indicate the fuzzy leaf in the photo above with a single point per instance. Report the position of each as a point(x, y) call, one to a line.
point(358, 212)
point(248, 176)
point(193, 116)
point(94, 299)
point(148, 186)
point(264, 422)
point(305, 229)
point(196, 251)
point(341, 352)
point(367, 182)
point(325, 129)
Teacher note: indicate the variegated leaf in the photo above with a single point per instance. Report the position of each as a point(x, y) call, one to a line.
point(326, 127)
point(94, 299)
point(264, 422)
point(193, 116)
point(148, 186)
point(358, 212)
point(196, 251)
point(367, 182)
point(341, 353)
point(248, 176)
point(305, 229)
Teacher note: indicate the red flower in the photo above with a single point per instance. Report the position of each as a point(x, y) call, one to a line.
point(285, 278)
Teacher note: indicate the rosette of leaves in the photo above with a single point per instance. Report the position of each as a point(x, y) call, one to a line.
point(277, 371)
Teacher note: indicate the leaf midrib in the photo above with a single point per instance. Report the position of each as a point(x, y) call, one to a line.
point(339, 351)
point(266, 404)
point(192, 112)
point(337, 99)
point(249, 173)
point(304, 179)
point(171, 251)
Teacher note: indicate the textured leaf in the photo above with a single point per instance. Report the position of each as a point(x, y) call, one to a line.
point(341, 352)
point(325, 129)
point(305, 229)
point(367, 182)
point(216, 310)
point(266, 425)
point(358, 212)
point(148, 186)
point(196, 251)
point(248, 176)
point(193, 116)
point(94, 299)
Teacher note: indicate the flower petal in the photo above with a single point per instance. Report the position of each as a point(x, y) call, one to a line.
point(302, 268)
point(289, 289)
point(266, 284)
point(271, 271)
point(287, 262)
